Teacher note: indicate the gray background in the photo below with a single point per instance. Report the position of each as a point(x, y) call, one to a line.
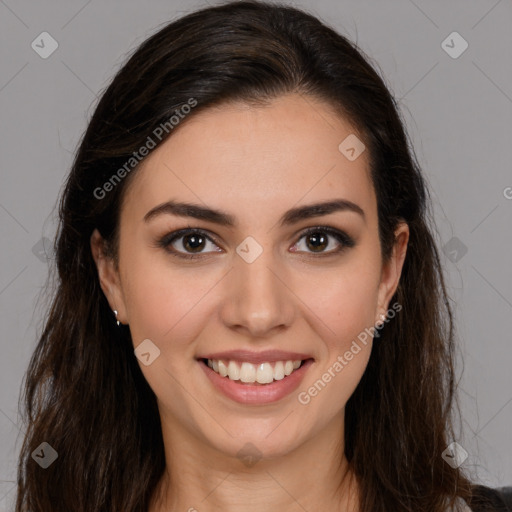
point(458, 112)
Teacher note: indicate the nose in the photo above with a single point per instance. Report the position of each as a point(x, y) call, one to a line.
point(259, 300)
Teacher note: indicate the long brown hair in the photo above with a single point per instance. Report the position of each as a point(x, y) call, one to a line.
point(84, 392)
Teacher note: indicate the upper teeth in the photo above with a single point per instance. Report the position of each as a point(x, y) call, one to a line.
point(262, 373)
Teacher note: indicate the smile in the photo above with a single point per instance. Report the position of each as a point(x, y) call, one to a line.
point(255, 383)
point(262, 373)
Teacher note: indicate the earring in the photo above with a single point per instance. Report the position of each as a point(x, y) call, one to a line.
point(115, 313)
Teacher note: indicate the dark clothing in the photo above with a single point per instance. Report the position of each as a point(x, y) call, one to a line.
point(500, 499)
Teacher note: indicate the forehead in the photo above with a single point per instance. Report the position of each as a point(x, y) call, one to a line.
point(256, 158)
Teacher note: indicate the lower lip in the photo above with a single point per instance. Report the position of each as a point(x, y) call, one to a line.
point(258, 394)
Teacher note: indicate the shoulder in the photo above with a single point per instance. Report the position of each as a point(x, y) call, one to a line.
point(486, 499)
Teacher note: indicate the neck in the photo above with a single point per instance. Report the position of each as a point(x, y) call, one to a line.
point(200, 478)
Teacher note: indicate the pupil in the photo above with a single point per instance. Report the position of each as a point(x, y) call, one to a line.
point(315, 238)
point(195, 242)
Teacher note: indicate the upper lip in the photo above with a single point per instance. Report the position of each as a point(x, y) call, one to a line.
point(256, 357)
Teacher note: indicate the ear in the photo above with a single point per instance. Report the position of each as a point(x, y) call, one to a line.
point(108, 275)
point(391, 271)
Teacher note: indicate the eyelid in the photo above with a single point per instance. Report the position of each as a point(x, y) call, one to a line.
point(339, 235)
point(168, 239)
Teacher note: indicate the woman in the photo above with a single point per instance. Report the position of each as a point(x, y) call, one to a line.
point(250, 308)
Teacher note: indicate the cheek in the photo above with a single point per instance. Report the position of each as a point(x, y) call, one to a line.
point(160, 304)
point(345, 299)
point(347, 307)
point(345, 302)
point(165, 303)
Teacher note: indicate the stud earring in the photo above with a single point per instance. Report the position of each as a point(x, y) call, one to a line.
point(115, 313)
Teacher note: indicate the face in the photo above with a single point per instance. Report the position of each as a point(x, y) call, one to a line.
point(263, 278)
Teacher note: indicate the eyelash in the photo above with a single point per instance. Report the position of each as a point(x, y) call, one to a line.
point(165, 242)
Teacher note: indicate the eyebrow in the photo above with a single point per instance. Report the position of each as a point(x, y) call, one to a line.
point(222, 218)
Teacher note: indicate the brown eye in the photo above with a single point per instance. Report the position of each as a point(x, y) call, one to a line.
point(318, 239)
point(188, 243)
point(193, 242)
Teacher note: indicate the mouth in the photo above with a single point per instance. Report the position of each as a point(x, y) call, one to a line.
point(255, 383)
point(253, 374)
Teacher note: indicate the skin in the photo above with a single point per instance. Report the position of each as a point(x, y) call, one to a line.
point(254, 163)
